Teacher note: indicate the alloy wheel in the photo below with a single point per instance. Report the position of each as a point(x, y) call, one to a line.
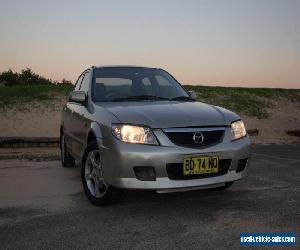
point(93, 174)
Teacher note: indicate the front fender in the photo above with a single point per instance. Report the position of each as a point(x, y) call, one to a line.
point(95, 131)
point(95, 127)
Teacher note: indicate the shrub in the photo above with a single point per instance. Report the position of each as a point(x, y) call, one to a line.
point(9, 77)
point(27, 77)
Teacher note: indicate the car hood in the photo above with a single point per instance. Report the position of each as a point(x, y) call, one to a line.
point(162, 114)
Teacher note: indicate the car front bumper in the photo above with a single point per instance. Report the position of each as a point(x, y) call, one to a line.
point(119, 159)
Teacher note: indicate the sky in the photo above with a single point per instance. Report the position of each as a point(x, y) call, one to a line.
point(248, 43)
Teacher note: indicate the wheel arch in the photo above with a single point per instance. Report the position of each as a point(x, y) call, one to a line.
point(94, 133)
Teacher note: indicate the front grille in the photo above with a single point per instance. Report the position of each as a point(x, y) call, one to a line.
point(185, 139)
point(175, 171)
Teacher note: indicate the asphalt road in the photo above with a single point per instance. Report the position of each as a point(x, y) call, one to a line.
point(42, 206)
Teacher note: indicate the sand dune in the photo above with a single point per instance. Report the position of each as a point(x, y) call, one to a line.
point(45, 121)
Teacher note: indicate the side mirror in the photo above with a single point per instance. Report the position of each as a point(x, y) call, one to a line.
point(78, 96)
point(193, 94)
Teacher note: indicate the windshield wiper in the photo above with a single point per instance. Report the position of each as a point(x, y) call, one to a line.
point(183, 98)
point(139, 98)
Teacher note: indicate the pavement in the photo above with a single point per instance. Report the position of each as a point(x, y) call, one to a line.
point(42, 206)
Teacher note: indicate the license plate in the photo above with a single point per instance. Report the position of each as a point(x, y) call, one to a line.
point(200, 165)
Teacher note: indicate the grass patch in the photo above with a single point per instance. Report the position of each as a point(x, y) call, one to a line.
point(19, 95)
point(250, 101)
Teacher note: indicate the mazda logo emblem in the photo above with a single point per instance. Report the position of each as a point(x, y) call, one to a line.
point(198, 137)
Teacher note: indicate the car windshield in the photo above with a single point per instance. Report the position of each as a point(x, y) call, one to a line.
point(135, 84)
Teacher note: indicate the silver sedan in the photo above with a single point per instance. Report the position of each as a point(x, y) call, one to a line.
point(138, 128)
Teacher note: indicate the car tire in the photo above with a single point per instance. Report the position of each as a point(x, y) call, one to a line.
point(96, 189)
point(67, 160)
point(222, 188)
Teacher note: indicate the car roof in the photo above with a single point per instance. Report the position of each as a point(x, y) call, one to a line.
point(122, 66)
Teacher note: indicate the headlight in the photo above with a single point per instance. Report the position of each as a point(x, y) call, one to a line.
point(134, 134)
point(238, 130)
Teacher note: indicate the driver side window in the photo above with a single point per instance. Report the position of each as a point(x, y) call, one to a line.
point(78, 83)
point(85, 85)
